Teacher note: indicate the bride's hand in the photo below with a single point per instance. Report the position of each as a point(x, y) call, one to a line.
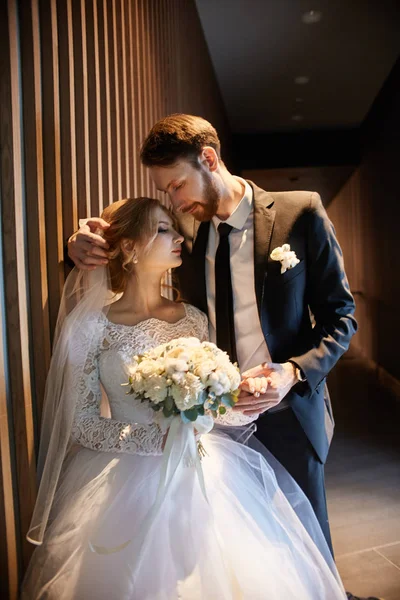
point(86, 248)
point(255, 385)
point(280, 379)
point(252, 395)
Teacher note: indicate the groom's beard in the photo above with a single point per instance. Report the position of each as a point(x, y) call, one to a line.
point(211, 197)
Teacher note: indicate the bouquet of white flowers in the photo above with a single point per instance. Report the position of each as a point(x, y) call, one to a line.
point(185, 377)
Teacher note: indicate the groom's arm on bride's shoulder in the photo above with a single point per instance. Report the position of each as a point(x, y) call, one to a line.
point(86, 249)
point(329, 298)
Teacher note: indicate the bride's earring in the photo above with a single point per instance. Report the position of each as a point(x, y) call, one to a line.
point(134, 257)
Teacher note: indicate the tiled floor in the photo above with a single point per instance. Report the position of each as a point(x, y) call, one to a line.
point(363, 483)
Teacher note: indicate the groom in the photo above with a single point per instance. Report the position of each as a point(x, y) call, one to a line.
point(258, 301)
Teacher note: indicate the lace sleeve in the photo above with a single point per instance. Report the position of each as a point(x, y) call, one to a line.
point(199, 322)
point(203, 324)
point(235, 418)
point(99, 433)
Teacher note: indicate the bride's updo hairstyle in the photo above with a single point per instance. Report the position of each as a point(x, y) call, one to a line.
point(131, 220)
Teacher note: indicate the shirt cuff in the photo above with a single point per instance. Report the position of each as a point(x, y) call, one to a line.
point(299, 373)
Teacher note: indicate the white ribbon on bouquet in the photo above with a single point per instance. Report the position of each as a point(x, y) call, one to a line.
point(174, 453)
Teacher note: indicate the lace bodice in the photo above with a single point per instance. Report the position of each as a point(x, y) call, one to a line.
point(133, 427)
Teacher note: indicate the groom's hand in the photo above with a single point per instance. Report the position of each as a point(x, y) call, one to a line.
point(85, 247)
point(280, 378)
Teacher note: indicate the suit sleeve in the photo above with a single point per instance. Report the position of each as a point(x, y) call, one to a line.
point(329, 299)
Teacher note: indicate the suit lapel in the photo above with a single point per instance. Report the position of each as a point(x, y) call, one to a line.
point(199, 262)
point(264, 218)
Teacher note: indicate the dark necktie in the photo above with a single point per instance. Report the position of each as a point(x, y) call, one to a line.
point(223, 294)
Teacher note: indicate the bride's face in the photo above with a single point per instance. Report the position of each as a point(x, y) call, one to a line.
point(164, 251)
point(190, 190)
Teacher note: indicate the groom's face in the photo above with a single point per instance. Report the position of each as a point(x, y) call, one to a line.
point(191, 190)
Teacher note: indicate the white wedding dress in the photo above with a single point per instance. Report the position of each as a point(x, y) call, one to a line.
point(245, 541)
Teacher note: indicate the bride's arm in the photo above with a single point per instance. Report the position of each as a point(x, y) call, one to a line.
point(93, 431)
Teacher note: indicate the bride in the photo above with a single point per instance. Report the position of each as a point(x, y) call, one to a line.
point(116, 518)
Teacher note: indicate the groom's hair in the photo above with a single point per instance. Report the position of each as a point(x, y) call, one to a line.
point(177, 137)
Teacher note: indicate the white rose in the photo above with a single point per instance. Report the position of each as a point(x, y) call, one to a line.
point(189, 342)
point(148, 367)
point(204, 368)
point(234, 378)
point(212, 348)
point(177, 352)
point(138, 383)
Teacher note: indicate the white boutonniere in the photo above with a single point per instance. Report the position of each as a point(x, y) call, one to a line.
point(286, 257)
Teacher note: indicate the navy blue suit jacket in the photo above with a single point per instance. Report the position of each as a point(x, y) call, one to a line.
point(317, 284)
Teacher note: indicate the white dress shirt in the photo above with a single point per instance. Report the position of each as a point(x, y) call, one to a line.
point(251, 347)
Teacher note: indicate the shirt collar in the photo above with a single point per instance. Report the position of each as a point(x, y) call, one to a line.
point(239, 216)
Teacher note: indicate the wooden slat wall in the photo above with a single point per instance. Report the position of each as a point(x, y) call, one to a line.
point(81, 83)
point(366, 219)
point(352, 218)
point(366, 214)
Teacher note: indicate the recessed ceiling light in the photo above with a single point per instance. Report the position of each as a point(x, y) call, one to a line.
point(311, 16)
point(297, 117)
point(301, 79)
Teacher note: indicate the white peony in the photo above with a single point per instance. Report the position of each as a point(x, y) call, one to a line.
point(186, 393)
point(156, 389)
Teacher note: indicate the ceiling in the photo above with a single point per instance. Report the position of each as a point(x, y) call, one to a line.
point(326, 180)
point(258, 47)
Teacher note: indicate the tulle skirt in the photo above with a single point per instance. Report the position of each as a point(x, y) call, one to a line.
point(241, 535)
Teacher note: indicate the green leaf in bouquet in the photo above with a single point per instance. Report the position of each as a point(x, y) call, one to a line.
point(214, 414)
point(191, 414)
point(212, 402)
point(200, 409)
point(222, 410)
point(202, 397)
point(167, 412)
point(169, 402)
point(228, 400)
